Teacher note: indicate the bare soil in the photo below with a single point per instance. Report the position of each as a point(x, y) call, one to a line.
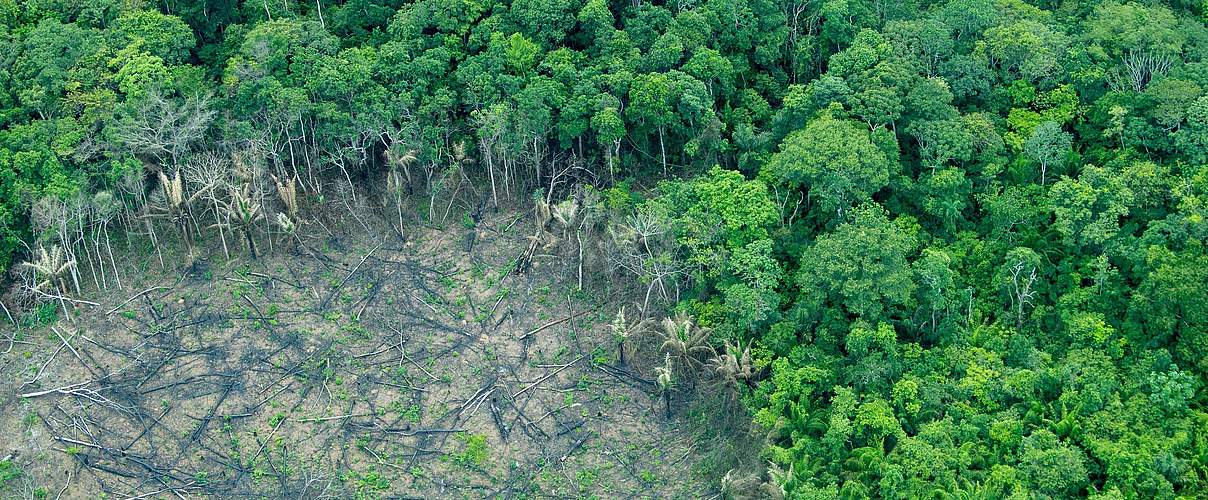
point(355, 366)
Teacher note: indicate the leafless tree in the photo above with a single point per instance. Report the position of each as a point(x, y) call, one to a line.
point(644, 246)
point(133, 185)
point(1138, 68)
point(1022, 277)
point(163, 128)
point(209, 174)
point(52, 221)
point(106, 208)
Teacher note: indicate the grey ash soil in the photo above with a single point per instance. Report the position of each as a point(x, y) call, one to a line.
point(362, 366)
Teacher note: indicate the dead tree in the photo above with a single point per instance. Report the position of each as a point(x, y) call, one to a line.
point(210, 174)
point(52, 221)
point(162, 128)
point(643, 245)
point(135, 205)
point(106, 208)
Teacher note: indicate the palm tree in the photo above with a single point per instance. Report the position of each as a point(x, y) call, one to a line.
point(778, 481)
point(288, 192)
point(866, 464)
point(176, 206)
point(736, 485)
point(48, 271)
point(732, 365)
point(686, 341)
point(243, 211)
point(394, 179)
point(565, 213)
point(664, 381)
point(969, 490)
point(622, 329)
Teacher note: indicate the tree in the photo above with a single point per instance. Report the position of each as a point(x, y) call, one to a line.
point(1055, 467)
point(942, 141)
point(861, 265)
point(167, 37)
point(1026, 48)
point(161, 128)
point(1170, 308)
point(1142, 41)
point(610, 129)
point(834, 160)
point(46, 275)
point(1088, 210)
point(1048, 145)
point(937, 288)
point(650, 106)
point(1019, 276)
point(686, 342)
point(945, 195)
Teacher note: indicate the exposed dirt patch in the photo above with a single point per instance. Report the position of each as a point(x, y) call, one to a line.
point(358, 366)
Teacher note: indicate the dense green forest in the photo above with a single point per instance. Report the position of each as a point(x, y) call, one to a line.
point(938, 248)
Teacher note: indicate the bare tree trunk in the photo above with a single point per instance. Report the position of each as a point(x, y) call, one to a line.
point(398, 203)
point(663, 150)
point(486, 151)
point(109, 248)
point(580, 240)
point(155, 242)
point(100, 260)
point(221, 233)
point(351, 187)
point(452, 198)
point(83, 240)
point(251, 243)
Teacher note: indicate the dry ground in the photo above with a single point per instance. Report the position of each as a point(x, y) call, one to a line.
point(361, 366)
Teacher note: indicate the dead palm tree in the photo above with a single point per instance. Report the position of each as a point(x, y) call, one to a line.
point(736, 485)
point(542, 210)
point(288, 192)
point(403, 159)
point(776, 487)
point(565, 214)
